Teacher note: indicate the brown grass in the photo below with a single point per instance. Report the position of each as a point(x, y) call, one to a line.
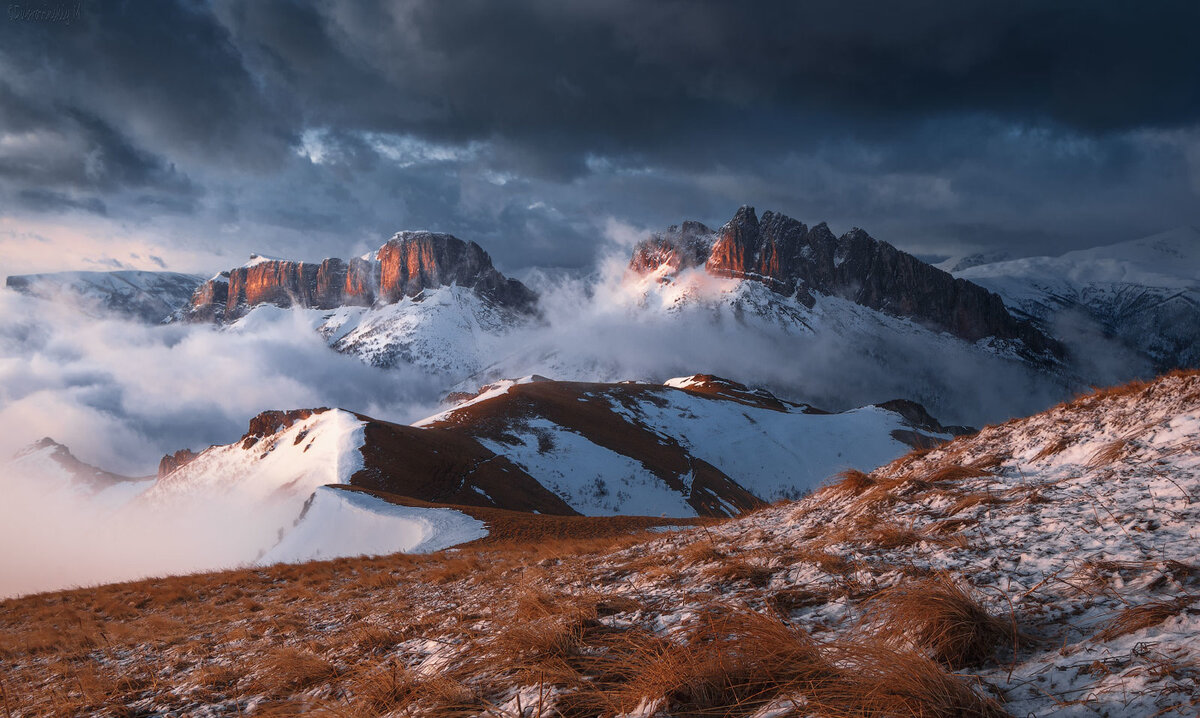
point(880, 682)
point(941, 617)
point(288, 670)
point(738, 569)
point(975, 498)
point(1054, 447)
point(1135, 618)
point(704, 550)
point(733, 665)
point(1110, 453)
point(952, 473)
point(853, 482)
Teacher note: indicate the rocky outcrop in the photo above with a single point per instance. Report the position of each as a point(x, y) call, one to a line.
point(407, 265)
point(270, 422)
point(171, 462)
point(796, 260)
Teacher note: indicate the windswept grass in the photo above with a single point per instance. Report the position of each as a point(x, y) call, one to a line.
point(941, 617)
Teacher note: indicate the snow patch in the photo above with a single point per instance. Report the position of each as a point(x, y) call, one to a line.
point(337, 523)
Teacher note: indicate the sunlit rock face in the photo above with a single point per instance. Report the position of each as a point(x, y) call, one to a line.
point(408, 264)
point(794, 259)
point(412, 262)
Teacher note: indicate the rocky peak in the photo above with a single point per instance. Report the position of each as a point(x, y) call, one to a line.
point(405, 266)
point(171, 462)
point(795, 260)
point(271, 421)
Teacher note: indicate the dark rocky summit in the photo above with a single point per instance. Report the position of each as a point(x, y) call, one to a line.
point(793, 259)
point(408, 264)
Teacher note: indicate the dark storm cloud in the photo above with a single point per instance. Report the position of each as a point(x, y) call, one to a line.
point(524, 125)
point(614, 77)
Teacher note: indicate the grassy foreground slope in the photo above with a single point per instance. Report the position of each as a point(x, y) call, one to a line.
point(1045, 566)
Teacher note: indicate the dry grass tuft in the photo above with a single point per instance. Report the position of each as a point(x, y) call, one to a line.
point(288, 670)
point(880, 681)
point(938, 616)
point(1053, 448)
point(732, 666)
point(732, 570)
point(891, 536)
point(704, 550)
point(988, 462)
point(952, 473)
point(853, 482)
point(787, 600)
point(1111, 453)
point(1135, 618)
point(975, 498)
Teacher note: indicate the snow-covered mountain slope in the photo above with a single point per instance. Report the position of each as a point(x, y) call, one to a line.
point(286, 455)
point(337, 523)
point(1145, 293)
point(697, 445)
point(50, 467)
point(700, 446)
point(150, 297)
point(449, 331)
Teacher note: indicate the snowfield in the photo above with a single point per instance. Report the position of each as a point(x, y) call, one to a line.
point(449, 332)
point(773, 453)
point(337, 523)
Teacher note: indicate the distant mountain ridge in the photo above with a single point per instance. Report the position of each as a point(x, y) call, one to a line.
point(794, 260)
point(150, 297)
point(1143, 293)
point(405, 266)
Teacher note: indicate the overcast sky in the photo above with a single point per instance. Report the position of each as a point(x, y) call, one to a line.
point(188, 134)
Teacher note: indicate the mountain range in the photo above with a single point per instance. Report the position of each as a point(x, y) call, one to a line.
point(696, 446)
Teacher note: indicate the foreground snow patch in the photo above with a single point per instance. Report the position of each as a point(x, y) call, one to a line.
point(339, 523)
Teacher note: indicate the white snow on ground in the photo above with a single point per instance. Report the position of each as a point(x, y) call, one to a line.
point(450, 331)
point(773, 454)
point(337, 523)
point(594, 480)
point(259, 491)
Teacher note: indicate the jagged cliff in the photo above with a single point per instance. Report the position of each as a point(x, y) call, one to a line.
point(406, 265)
point(794, 259)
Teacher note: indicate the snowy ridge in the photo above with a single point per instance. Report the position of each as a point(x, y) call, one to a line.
point(1146, 292)
point(836, 354)
point(629, 448)
point(49, 467)
point(318, 450)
